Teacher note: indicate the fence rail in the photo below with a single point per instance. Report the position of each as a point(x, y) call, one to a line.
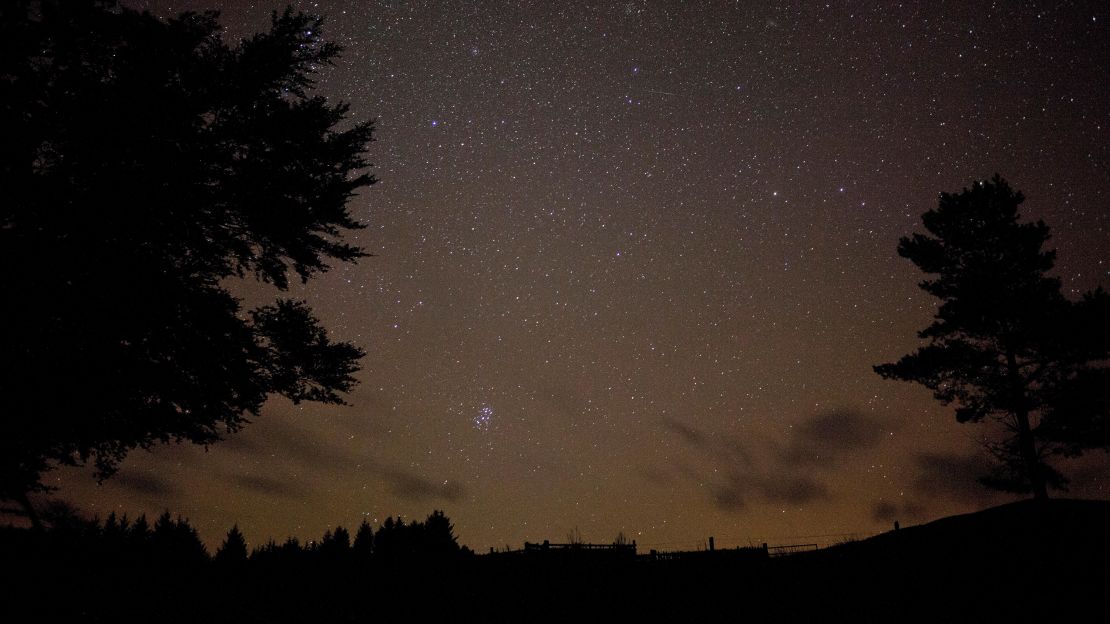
point(790, 549)
point(621, 548)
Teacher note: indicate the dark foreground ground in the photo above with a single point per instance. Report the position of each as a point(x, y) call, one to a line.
point(1021, 562)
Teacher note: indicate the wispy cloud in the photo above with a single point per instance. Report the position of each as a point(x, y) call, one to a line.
point(144, 483)
point(889, 511)
point(270, 486)
point(411, 486)
point(823, 439)
point(791, 471)
point(319, 457)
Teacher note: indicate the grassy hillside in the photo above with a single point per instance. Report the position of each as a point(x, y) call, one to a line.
point(1022, 561)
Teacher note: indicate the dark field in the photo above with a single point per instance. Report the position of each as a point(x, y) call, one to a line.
point(1020, 562)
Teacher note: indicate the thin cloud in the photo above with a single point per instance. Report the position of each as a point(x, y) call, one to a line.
point(734, 493)
point(414, 487)
point(269, 486)
point(689, 434)
point(886, 512)
point(789, 474)
point(825, 438)
point(321, 456)
point(730, 496)
point(797, 490)
point(145, 484)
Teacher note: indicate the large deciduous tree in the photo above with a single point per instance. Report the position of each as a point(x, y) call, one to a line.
point(1005, 344)
point(146, 166)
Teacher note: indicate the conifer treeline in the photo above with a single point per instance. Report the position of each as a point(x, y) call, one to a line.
point(171, 540)
point(393, 541)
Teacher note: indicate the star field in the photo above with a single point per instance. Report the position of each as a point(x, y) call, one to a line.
point(633, 263)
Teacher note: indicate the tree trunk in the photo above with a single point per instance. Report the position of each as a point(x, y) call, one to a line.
point(1029, 456)
point(1026, 444)
point(29, 509)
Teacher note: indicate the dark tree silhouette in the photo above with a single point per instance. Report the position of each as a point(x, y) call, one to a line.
point(1005, 343)
point(389, 541)
point(335, 545)
point(146, 165)
point(176, 541)
point(433, 538)
point(287, 552)
point(439, 535)
point(234, 549)
point(363, 545)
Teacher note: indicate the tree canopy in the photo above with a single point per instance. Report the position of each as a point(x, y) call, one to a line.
point(1005, 344)
point(147, 165)
point(234, 549)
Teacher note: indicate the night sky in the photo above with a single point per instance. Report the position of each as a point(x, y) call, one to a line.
point(634, 263)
